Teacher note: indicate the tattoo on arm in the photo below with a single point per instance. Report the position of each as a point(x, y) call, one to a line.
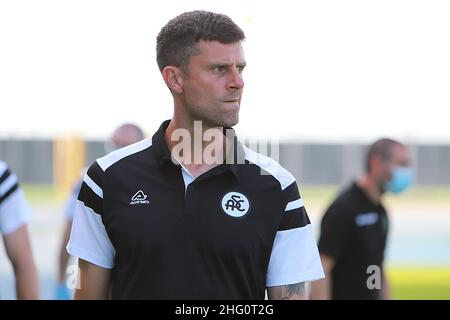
point(295, 291)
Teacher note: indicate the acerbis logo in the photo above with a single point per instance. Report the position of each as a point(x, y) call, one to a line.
point(139, 198)
point(235, 204)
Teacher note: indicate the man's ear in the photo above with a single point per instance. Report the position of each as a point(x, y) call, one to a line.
point(173, 77)
point(379, 166)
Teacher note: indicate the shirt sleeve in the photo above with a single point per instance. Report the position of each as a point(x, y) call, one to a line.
point(89, 239)
point(295, 257)
point(14, 209)
point(335, 230)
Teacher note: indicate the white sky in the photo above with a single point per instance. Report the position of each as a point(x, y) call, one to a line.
point(317, 70)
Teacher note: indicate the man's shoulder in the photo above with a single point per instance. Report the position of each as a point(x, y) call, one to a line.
point(269, 167)
point(345, 202)
point(122, 154)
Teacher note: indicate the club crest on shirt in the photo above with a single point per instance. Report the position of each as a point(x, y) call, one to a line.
point(235, 204)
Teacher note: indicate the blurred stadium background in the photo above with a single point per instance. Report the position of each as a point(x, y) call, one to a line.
point(418, 255)
point(325, 77)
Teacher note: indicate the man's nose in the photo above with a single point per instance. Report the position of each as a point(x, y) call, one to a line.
point(236, 81)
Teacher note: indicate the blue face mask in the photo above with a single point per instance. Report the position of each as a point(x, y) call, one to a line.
point(402, 178)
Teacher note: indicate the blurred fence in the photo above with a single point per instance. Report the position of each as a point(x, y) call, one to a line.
point(34, 161)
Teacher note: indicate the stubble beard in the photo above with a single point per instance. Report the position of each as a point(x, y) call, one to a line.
point(212, 117)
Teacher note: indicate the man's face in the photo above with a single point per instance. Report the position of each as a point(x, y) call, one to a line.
point(212, 90)
point(399, 157)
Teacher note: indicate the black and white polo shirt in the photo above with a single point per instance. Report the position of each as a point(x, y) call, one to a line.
point(228, 234)
point(14, 209)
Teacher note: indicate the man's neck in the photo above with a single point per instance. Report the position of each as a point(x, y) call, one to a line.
point(196, 155)
point(370, 187)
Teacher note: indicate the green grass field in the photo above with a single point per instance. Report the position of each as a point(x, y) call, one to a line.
point(40, 194)
point(420, 283)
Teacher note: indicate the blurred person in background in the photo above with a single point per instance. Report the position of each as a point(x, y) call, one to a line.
point(355, 226)
point(123, 136)
point(14, 215)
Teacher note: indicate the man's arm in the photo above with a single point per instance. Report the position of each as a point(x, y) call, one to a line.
point(385, 292)
point(18, 249)
point(321, 289)
point(94, 282)
point(294, 291)
point(63, 255)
